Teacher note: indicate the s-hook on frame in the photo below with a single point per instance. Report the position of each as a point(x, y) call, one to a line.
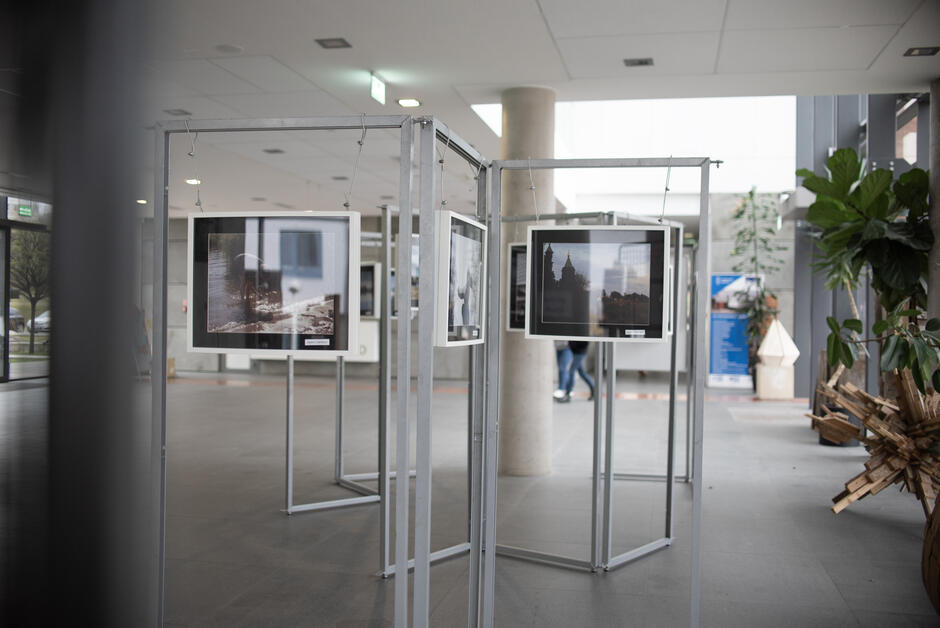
point(601, 555)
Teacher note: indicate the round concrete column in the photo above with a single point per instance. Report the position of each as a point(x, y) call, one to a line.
point(933, 272)
point(527, 367)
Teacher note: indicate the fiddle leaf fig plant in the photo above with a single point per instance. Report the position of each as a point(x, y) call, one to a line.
point(870, 221)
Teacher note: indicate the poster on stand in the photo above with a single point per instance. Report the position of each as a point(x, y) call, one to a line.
point(728, 364)
point(600, 283)
point(276, 283)
point(461, 277)
point(515, 286)
point(370, 290)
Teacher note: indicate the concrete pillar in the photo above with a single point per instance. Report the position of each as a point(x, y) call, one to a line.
point(527, 367)
point(933, 295)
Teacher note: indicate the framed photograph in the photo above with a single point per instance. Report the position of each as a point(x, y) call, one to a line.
point(516, 272)
point(461, 279)
point(370, 290)
point(601, 283)
point(278, 283)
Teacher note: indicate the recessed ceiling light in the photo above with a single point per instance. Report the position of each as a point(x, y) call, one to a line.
point(229, 49)
point(193, 181)
point(177, 112)
point(258, 199)
point(285, 205)
point(340, 177)
point(387, 197)
point(273, 151)
point(638, 61)
point(333, 42)
point(923, 51)
point(141, 201)
point(409, 102)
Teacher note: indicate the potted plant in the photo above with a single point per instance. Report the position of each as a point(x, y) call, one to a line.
point(757, 221)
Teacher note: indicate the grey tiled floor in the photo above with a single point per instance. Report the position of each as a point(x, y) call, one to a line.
point(773, 554)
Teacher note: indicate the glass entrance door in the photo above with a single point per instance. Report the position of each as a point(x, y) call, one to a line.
point(6, 321)
point(30, 318)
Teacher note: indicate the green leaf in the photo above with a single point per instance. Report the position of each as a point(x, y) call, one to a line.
point(919, 381)
point(891, 353)
point(880, 326)
point(844, 169)
point(827, 212)
point(911, 190)
point(908, 235)
point(854, 324)
point(933, 324)
point(833, 325)
point(849, 353)
point(936, 380)
point(874, 185)
point(833, 349)
point(874, 230)
point(925, 355)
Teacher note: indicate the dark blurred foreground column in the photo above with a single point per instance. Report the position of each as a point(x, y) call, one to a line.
point(79, 65)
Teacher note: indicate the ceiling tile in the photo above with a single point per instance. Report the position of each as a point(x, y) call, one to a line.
point(206, 78)
point(802, 50)
point(621, 17)
point(768, 14)
point(286, 105)
point(266, 72)
point(293, 150)
point(690, 53)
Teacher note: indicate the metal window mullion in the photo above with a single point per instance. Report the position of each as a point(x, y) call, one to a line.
point(403, 378)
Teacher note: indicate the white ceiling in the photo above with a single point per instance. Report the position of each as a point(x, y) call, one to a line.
point(453, 54)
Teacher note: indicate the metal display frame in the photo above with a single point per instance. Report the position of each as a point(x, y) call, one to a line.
point(163, 132)
point(431, 131)
point(602, 516)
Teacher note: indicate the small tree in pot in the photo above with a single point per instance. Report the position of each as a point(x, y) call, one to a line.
point(757, 221)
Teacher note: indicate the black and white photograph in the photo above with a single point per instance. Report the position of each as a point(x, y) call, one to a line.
point(516, 287)
point(597, 282)
point(461, 255)
point(280, 282)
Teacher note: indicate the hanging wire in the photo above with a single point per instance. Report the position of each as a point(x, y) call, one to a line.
point(662, 213)
point(361, 142)
point(441, 161)
point(192, 155)
point(535, 202)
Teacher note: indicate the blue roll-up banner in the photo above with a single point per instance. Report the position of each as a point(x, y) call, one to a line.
point(728, 355)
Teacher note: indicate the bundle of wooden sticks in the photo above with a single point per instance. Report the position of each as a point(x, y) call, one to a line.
point(902, 438)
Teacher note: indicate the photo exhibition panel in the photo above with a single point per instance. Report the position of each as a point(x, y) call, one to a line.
point(281, 283)
point(602, 283)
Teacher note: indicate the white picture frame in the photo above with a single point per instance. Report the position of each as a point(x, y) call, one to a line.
point(344, 260)
point(660, 290)
point(461, 277)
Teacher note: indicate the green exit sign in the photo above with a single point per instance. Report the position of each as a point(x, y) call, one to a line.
point(25, 210)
